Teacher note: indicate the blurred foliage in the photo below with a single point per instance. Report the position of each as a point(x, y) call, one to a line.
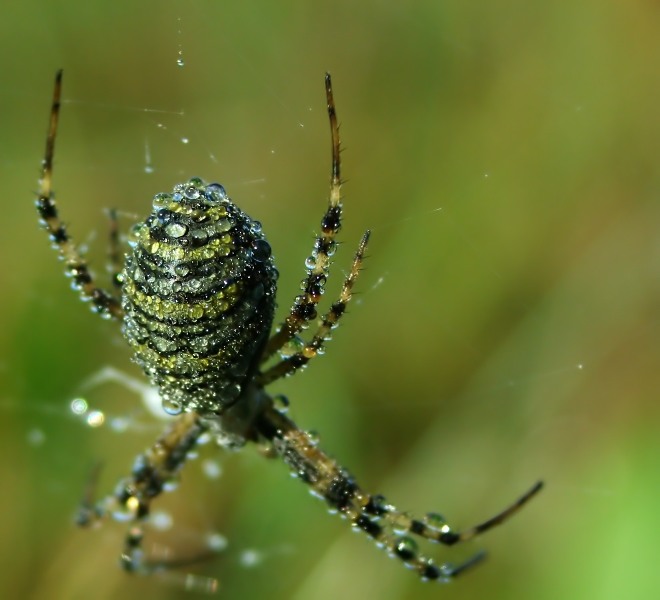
point(505, 155)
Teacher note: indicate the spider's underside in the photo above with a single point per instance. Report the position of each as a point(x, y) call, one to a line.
point(196, 298)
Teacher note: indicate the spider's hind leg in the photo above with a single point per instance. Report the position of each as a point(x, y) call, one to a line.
point(384, 523)
point(131, 501)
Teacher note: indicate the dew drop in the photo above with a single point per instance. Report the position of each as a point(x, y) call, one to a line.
point(163, 287)
point(405, 548)
point(119, 424)
point(191, 192)
point(281, 402)
point(196, 312)
point(161, 200)
point(176, 230)
point(181, 270)
point(294, 345)
point(216, 541)
point(435, 520)
point(161, 520)
point(164, 345)
point(222, 225)
point(261, 250)
point(215, 191)
point(232, 391)
point(200, 236)
point(95, 418)
point(205, 438)
point(251, 558)
point(79, 406)
point(211, 469)
point(170, 485)
point(310, 262)
point(199, 344)
point(171, 406)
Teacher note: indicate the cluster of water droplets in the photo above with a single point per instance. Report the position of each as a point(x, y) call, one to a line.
point(222, 393)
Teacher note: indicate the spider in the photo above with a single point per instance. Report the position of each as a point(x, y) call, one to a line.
point(196, 299)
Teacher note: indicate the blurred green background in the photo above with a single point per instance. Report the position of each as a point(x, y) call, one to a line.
point(505, 155)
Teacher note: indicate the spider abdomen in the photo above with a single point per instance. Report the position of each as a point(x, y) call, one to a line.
point(198, 297)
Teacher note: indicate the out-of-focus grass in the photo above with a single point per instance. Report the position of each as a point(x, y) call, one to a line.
point(505, 156)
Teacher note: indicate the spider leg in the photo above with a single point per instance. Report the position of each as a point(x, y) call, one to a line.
point(304, 306)
point(384, 523)
point(152, 472)
point(102, 301)
point(329, 321)
point(114, 253)
point(449, 537)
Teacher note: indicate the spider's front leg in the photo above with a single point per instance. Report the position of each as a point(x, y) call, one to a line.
point(132, 498)
point(304, 307)
point(103, 302)
point(329, 321)
point(384, 523)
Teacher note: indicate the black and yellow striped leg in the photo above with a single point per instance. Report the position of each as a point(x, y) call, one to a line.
point(77, 268)
point(304, 306)
point(383, 522)
point(114, 252)
point(151, 474)
point(329, 321)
